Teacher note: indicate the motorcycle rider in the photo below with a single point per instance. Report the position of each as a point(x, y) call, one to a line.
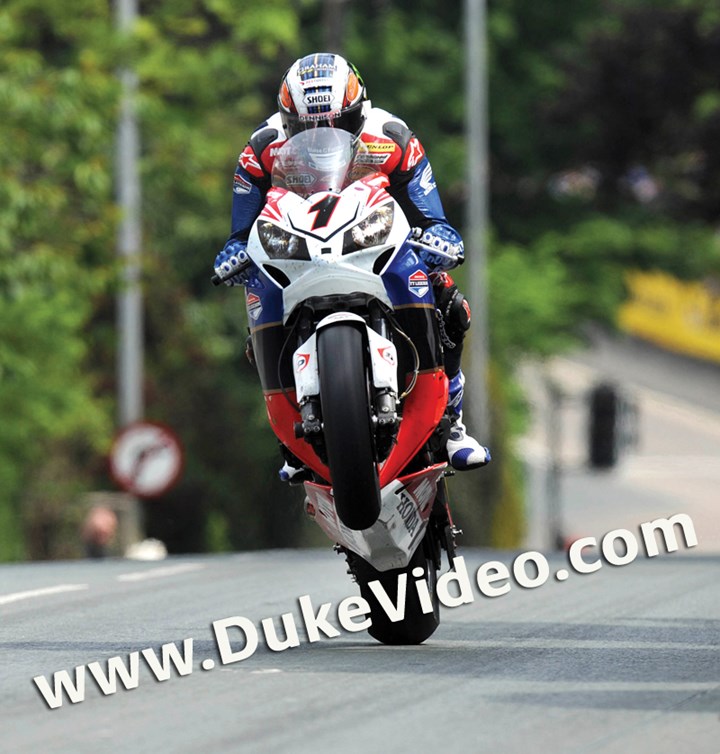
point(323, 89)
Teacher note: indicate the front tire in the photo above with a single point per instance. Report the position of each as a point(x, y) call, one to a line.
point(347, 425)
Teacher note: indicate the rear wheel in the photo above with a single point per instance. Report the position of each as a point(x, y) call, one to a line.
point(347, 425)
point(415, 626)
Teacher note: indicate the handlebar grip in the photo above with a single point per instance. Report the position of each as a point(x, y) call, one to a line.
point(432, 250)
point(218, 280)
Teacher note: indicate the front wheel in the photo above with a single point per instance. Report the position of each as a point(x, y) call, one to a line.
point(344, 398)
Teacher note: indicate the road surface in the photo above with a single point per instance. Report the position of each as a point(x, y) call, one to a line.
point(674, 466)
point(624, 659)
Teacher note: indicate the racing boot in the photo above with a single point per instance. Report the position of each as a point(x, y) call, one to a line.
point(464, 452)
point(291, 474)
point(293, 470)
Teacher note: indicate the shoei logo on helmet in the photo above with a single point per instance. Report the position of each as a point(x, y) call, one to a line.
point(318, 99)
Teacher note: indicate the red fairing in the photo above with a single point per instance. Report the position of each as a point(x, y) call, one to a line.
point(271, 211)
point(423, 410)
point(282, 418)
point(378, 183)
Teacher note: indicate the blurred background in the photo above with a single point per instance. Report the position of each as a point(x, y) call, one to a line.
point(604, 202)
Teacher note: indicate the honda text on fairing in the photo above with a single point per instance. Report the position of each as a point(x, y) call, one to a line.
point(345, 338)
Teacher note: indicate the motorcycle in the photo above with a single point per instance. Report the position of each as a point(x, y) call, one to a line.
point(345, 339)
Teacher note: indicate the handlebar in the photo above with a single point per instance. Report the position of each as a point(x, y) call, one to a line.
point(424, 246)
point(219, 280)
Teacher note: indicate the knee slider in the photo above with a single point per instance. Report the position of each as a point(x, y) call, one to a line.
point(459, 314)
point(455, 311)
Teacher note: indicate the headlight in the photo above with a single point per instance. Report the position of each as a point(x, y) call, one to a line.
point(280, 244)
point(373, 230)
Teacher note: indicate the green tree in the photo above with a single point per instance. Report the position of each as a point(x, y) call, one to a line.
point(202, 67)
point(55, 224)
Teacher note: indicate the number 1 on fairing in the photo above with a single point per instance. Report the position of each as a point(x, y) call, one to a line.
point(324, 208)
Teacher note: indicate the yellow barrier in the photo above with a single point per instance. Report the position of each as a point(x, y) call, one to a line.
point(677, 315)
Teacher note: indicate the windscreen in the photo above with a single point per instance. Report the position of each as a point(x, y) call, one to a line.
point(319, 159)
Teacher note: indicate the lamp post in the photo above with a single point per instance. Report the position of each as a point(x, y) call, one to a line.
point(129, 315)
point(476, 130)
point(129, 301)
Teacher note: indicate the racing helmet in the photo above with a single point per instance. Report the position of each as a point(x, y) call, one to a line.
point(322, 89)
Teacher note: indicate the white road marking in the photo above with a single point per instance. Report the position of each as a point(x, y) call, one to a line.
point(574, 376)
point(159, 573)
point(6, 599)
point(673, 467)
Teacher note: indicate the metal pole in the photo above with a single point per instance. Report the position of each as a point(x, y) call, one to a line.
point(129, 303)
point(476, 130)
point(553, 479)
point(334, 25)
point(130, 366)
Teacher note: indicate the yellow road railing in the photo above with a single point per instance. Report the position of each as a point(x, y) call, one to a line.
point(677, 315)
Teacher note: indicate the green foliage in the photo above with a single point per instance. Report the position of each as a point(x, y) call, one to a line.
point(531, 303)
point(202, 67)
point(209, 73)
point(412, 64)
point(55, 222)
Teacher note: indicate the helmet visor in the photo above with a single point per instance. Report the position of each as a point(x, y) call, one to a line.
point(350, 120)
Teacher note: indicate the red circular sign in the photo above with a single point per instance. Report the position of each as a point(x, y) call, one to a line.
point(146, 459)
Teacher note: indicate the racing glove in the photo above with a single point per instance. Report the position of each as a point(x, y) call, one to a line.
point(233, 257)
point(440, 247)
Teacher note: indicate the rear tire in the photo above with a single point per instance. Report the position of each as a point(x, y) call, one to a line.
point(347, 425)
point(415, 626)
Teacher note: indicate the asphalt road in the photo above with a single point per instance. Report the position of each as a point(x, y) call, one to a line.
point(674, 467)
point(624, 659)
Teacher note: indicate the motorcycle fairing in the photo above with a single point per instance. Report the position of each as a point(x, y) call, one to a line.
point(406, 280)
point(263, 301)
point(405, 507)
point(423, 410)
point(383, 357)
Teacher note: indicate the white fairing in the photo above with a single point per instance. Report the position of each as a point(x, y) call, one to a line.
point(305, 369)
point(329, 271)
point(391, 540)
point(383, 358)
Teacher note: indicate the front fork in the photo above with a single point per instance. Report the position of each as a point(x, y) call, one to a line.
point(382, 359)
